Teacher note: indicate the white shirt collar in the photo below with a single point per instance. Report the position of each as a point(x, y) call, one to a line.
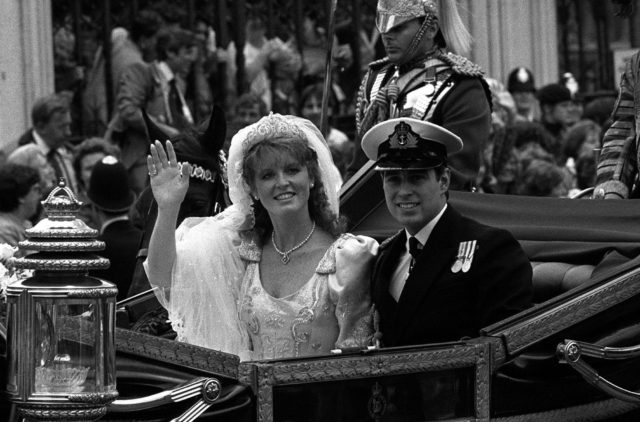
point(425, 232)
point(166, 71)
point(42, 145)
point(111, 221)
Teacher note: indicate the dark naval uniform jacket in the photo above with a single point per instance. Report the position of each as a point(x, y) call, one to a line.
point(444, 89)
point(439, 303)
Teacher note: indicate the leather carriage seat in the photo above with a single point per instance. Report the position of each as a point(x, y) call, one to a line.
point(552, 278)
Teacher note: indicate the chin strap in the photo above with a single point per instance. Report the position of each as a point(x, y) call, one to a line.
point(428, 23)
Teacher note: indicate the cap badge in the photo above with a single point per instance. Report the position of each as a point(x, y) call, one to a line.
point(523, 75)
point(109, 159)
point(403, 137)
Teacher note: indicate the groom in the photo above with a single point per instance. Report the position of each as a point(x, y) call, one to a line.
point(443, 276)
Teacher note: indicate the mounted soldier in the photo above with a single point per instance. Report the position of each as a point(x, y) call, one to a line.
point(425, 76)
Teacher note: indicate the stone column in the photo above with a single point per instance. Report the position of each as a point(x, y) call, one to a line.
point(511, 33)
point(26, 63)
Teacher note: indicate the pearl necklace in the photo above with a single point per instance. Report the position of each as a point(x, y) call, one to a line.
point(286, 255)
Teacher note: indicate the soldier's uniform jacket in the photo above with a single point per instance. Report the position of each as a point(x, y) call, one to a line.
point(618, 164)
point(445, 89)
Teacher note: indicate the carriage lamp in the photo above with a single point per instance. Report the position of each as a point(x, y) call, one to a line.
point(60, 334)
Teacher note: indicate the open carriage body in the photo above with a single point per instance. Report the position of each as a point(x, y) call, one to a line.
point(522, 368)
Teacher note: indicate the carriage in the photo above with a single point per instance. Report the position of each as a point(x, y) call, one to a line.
point(573, 356)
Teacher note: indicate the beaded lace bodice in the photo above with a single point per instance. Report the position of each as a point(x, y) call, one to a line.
point(328, 311)
point(216, 300)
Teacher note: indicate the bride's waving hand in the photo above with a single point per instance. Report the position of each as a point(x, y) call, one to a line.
point(169, 183)
point(169, 180)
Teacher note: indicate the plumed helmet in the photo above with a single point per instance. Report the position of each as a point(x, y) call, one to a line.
point(521, 80)
point(454, 33)
point(391, 13)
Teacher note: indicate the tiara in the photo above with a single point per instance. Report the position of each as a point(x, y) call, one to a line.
point(273, 126)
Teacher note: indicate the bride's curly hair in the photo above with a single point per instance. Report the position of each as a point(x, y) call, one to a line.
point(279, 148)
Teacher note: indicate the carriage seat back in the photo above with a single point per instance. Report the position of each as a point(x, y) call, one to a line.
point(553, 278)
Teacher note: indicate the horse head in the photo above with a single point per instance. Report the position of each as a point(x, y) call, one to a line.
point(201, 147)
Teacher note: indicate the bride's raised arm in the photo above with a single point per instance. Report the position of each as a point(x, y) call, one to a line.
point(169, 183)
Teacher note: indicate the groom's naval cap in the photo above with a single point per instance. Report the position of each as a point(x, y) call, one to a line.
point(409, 144)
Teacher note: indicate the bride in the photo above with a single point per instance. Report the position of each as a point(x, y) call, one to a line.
point(273, 275)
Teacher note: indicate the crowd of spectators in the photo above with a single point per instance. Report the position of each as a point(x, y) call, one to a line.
point(542, 140)
point(277, 66)
point(283, 72)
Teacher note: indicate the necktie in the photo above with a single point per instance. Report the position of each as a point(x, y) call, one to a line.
point(53, 158)
point(62, 168)
point(414, 249)
point(175, 105)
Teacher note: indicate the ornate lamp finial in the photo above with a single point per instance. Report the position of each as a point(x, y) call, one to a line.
point(61, 203)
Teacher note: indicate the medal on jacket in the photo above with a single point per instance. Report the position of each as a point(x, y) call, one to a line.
point(464, 257)
point(457, 265)
point(430, 80)
point(430, 89)
point(426, 93)
point(468, 256)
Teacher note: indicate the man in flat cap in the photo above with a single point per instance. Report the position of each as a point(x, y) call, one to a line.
point(443, 276)
point(425, 76)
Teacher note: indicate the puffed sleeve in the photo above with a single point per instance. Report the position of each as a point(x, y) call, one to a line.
point(205, 283)
point(349, 287)
point(199, 241)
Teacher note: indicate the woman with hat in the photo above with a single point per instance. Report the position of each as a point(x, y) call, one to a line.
point(425, 76)
point(272, 276)
point(111, 197)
